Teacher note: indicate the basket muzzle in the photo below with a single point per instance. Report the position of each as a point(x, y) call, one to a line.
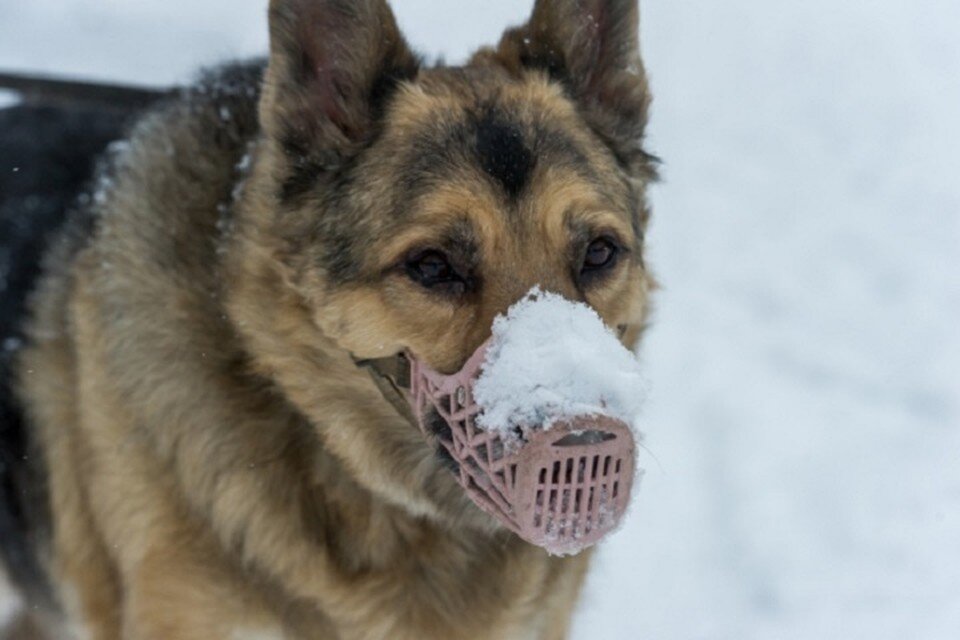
point(562, 486)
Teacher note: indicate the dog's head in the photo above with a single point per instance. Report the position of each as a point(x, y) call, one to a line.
point(412, 205)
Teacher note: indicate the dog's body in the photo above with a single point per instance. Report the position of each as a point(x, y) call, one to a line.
point(216, 464)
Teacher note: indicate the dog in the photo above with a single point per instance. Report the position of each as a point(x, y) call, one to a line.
point(194, 447)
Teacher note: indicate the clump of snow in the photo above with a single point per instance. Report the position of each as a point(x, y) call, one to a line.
point(552, 358)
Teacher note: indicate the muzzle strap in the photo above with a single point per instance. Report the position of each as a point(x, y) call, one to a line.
point(392, 377)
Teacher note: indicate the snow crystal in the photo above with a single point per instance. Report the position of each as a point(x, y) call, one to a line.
point(118, 147)
point(551, 358)
point(103, 187)
point(104, 183)
point(242, 169)
point(244, 163)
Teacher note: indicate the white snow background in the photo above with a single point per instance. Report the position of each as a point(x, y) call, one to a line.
point(804, 412)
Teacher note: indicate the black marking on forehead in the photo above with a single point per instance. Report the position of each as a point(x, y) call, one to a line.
point(502, 152)
point(444, 147)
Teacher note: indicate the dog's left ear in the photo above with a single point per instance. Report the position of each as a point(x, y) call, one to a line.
point(333, 66)
point(592, 48)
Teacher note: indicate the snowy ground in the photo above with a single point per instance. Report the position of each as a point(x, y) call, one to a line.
point(804, 425)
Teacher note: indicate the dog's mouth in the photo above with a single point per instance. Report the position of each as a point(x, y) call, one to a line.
point(562, 485)
point(547, 460)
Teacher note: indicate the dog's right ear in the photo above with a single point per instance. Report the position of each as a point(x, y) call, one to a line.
point(591, 47)
point(333, 66)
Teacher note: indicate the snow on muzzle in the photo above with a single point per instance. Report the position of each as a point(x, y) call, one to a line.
point(561, 485)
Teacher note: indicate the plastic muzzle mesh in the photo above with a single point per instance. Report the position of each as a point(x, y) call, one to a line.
point(562, 488)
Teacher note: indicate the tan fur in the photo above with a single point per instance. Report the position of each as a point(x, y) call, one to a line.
point(219, 467)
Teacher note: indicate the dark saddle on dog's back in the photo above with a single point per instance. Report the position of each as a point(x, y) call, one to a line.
point(48, 153)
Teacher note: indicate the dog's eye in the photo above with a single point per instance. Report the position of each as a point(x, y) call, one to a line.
point(431, 268)
point(601, 254)
point(433, 265)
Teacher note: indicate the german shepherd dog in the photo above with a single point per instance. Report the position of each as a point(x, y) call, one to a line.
point(192, 450)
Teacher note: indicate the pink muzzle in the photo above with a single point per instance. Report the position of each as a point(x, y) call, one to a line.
point(563, 487)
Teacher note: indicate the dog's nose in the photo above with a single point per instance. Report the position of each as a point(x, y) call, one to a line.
point(499, 297)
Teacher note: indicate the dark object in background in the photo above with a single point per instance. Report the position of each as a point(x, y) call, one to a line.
point(49, 146)
point(38, 90)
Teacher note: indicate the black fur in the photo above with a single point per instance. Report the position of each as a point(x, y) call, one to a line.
point(386, 83)
point(304, 172)
point(439, 429)
point(46, 156)
point(489, 139)
point(502, 152)
point(551, 62)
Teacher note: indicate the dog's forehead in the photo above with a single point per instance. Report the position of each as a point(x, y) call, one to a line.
point(503, 129)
